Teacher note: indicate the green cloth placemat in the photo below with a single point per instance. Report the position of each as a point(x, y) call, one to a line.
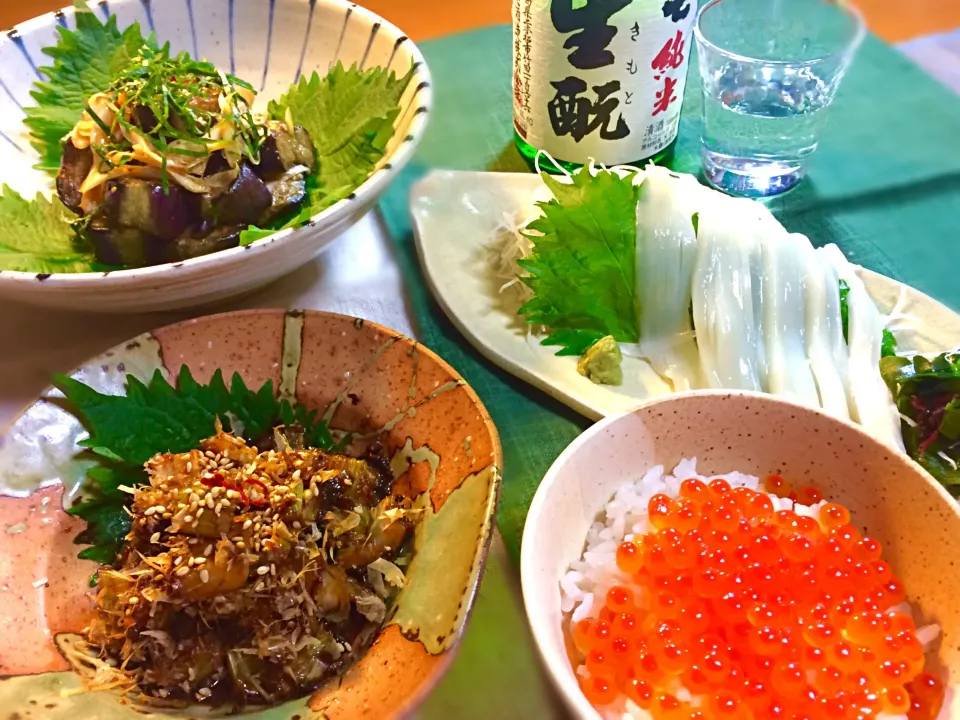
point(884, 186)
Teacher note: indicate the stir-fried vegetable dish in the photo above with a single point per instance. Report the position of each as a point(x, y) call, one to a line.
point(248, 576)
point(170, 162)
point(160, 156)
point(244, 558)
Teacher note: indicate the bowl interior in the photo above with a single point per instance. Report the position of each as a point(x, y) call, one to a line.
point(368, 380)
point(888, 495)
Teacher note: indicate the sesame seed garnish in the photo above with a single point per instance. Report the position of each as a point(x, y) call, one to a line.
point(199, 560)
point(273, 569)
point(247, 524)
point(188, 518)
point(263, 570)
point(155, 538)
point(207, 550)
point(189, 467)
point(133, 600)
point(209, 454)
point(241, 545)
point(149, 511)
point(177, 560)
point(183, 571)
point(168, 516)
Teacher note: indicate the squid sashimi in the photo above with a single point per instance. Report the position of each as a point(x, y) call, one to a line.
point(666, 256)
point(825, 345)
point(784, 322)
point(725, 315)
point(868, 397)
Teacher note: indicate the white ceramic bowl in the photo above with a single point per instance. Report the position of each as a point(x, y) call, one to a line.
point(890, 497)
point(269, 43)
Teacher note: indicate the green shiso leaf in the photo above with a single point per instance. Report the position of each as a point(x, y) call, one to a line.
point(349, 115)
point(582, 270)
point(85, 60)
point(155, 417)
point(37, 236)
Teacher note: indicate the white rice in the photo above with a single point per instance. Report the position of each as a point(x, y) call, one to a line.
point(623, 518)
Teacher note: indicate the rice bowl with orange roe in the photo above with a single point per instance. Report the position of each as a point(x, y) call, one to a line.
point(702, 598)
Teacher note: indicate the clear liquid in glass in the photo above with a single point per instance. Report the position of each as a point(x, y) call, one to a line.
point(761, 122)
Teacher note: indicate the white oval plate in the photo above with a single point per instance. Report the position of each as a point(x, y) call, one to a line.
point(456, 215)
point(270, 43)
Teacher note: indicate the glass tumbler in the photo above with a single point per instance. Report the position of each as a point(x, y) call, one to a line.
point(769, 70)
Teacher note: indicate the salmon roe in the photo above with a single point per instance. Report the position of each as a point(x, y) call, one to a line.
point(737, 611)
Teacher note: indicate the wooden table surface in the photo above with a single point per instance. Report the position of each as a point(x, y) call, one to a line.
point(893, 20)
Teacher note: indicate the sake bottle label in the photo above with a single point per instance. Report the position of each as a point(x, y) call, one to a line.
point(600, 79)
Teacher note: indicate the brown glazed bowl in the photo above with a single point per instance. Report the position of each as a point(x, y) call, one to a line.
point(367, 379)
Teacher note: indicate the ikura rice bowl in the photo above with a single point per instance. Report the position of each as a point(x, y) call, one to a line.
point(726, 597)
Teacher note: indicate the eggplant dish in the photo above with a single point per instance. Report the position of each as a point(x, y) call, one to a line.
point(247, 577)
point(170, 163)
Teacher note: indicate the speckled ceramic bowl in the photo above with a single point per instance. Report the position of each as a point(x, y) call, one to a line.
point(270, 43)
point(889, 497)
point(367, 377)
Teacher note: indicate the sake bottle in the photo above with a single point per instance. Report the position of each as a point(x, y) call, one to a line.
point(599, 79)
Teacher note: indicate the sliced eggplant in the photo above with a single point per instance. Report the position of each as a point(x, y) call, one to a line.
point(242, 203)
point(128, 247)
point(288, 194)
point(74, 168)
point(139, 222)
point(283, 150)
point(191, 246)
point(216, 163)
point(144, 205)
point(145, 119)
